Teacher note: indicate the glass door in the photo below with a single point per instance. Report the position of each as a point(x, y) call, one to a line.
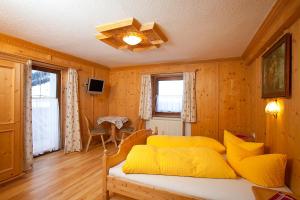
point(45, 111)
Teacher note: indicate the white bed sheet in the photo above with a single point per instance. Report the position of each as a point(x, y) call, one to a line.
point(210, 189)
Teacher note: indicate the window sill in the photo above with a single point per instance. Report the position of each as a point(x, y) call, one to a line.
point(166, 117)
point(166, 114)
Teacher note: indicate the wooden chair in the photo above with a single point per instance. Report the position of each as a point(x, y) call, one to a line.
point(99, 131)
point(129, 130)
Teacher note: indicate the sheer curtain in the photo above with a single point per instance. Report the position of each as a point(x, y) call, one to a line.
point(169, 98)
point(45, 112)
point(45, 125)
point(169, 103)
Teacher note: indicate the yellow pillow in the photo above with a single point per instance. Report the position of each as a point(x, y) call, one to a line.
point(248, 161)
point(180, 161)
point(237, 152)
point(237, 149)
point(229, 137)
point(185, 141)
point(265, 170)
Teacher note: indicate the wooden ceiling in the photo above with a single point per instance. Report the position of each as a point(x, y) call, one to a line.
point(113, 33)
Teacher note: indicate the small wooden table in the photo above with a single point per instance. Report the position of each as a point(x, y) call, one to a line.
point(265, 194)
point(115, 122)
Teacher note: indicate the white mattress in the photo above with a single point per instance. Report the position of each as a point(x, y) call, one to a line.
point(217, 189)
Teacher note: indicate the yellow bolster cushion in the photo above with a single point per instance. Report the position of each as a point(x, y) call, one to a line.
point(229, 137)
point(265, 170)
point(237, 152)
point(248, 161)
point(238, 149)
point(181, 161)
point(185, 141)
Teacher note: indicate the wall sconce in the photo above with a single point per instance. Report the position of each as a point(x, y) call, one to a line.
point(273, 108)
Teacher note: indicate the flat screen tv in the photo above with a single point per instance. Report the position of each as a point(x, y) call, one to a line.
point(95, 86)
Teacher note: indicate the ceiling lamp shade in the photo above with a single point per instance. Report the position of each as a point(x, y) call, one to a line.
point(129, 34)
point(132, 39)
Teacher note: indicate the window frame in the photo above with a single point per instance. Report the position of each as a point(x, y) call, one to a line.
point(58, 76)
point(163, 77)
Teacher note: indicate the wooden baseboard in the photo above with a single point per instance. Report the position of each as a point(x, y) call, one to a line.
point(12, 179)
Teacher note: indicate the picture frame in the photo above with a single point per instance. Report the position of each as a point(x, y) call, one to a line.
point(276, 69)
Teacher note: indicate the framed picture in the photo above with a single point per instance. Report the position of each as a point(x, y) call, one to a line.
point(276, 69)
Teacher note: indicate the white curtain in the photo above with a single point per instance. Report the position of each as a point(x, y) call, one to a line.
point(28, 157)
point(72, 126)
point(169, 103)
point(188, 113)
point(45, 125)
point(45, 112)
point(169, 98)
point(145, 108)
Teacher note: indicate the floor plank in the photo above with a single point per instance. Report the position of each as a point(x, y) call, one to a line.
point(60, 176)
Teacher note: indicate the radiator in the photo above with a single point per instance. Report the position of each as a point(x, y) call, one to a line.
point(169, 126)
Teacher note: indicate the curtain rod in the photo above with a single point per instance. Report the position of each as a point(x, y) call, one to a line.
point(169, 73)
point(52, 66)
point(47, 65)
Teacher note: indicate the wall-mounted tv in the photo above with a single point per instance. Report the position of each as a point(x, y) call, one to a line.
point(95, 86)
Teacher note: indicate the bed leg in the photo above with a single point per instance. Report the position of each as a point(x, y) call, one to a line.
point(105, 193)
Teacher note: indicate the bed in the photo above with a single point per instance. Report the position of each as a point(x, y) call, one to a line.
point(156, 187)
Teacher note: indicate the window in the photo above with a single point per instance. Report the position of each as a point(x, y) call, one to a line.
point(167, 95)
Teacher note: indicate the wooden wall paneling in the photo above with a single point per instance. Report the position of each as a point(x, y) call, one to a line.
point(123, 100)
point(293, 132)
point(256, 114)
point(101, 101)
point(287, 137)
point(119, 95)
point(113, 81)
point(85, 101)
point(16, 50)
point(280, 135)
point(207, 101)
point(132, 97)
point(234, 102)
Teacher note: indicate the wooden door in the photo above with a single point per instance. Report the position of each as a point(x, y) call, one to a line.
point(11, 144)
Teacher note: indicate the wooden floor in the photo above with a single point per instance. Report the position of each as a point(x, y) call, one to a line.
point(59, 176)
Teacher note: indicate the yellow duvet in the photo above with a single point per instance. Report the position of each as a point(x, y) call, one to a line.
point(181, 161)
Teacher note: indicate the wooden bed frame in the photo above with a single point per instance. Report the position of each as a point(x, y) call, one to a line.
point(129, 188)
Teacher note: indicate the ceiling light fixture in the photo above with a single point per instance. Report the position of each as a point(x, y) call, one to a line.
point(132, 39)
point(131, 35)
